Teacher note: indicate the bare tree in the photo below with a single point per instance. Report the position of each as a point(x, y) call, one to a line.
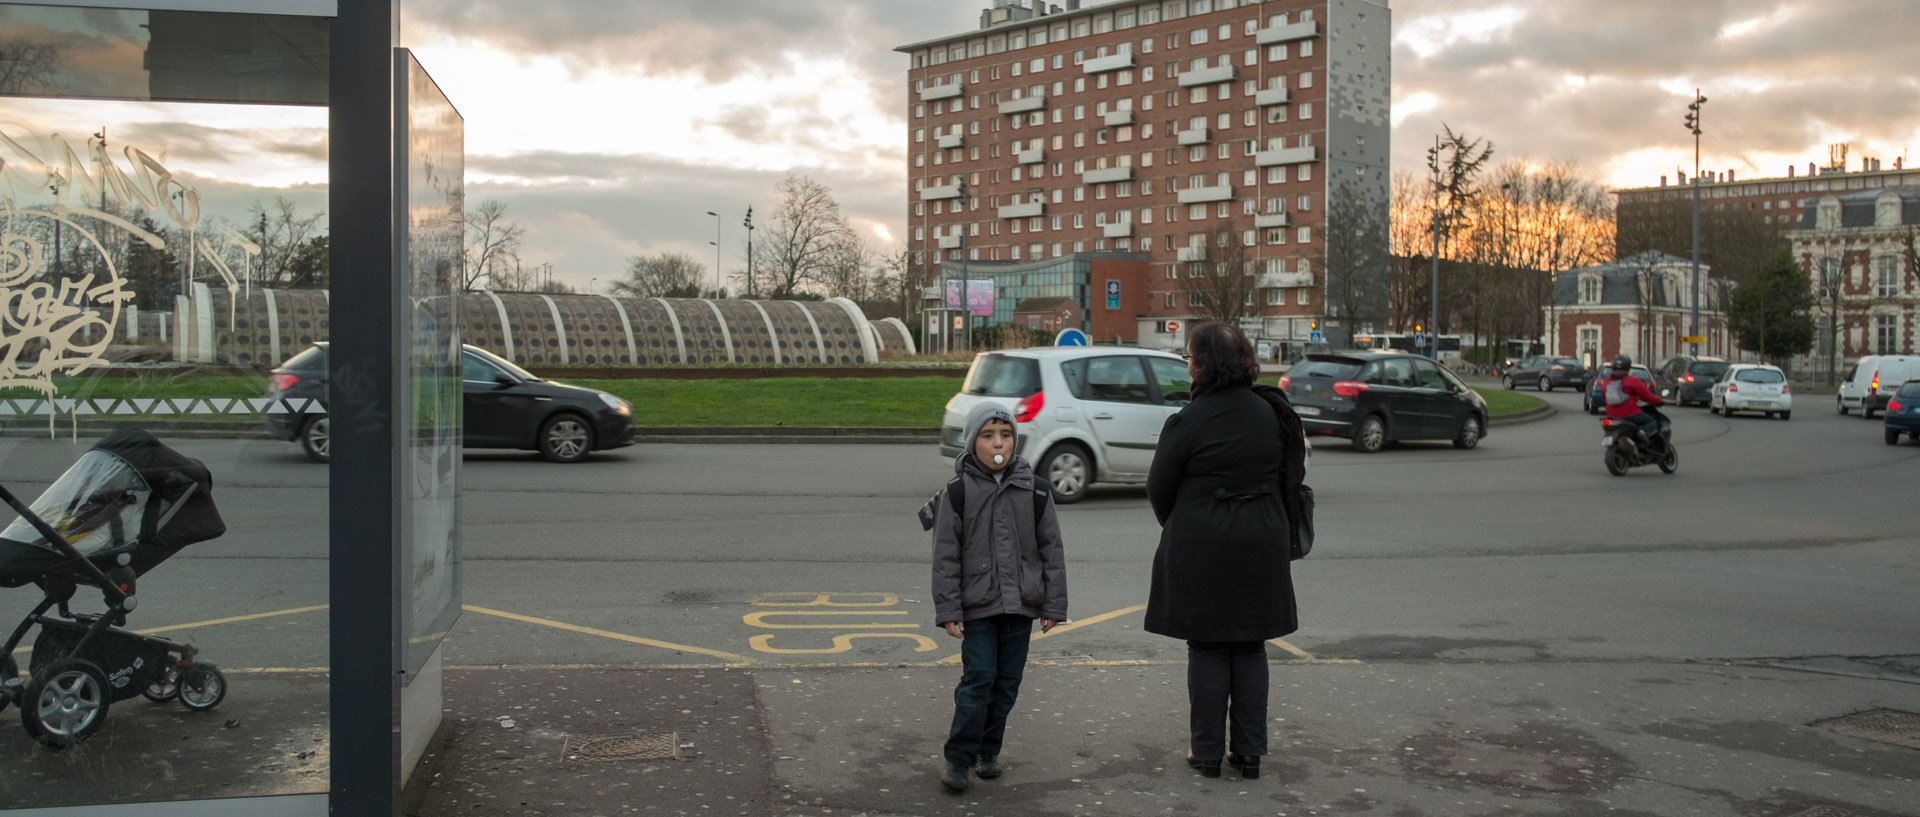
point(804, 238)
point(852, 269)
point(1409, 231)
point(1222, 287)
point(1357, 260)
point(492, 248)
point(29, 66)
point(286, 240)
point(663, 275)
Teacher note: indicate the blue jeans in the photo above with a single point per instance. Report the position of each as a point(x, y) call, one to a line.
point(993, 653)
point(1227, 691)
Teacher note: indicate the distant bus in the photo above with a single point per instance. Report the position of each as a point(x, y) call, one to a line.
point(1403, 341)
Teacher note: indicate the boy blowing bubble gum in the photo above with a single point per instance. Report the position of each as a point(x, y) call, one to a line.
point(998, 564)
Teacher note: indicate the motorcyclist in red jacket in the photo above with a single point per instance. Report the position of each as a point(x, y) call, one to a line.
point(1623, 394)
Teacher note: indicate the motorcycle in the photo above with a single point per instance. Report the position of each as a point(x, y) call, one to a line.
point(1627, 447)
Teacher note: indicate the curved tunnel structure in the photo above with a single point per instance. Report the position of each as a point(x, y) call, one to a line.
point(263, 327)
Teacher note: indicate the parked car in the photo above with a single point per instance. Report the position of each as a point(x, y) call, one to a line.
point(1086, 414)
point(1873, 380)
point(1593, 403)
point(1753, 387)
point(504, 406)
point(1377, 397)
point(1903, 413)
point(1545, 372)
point(1686, 379)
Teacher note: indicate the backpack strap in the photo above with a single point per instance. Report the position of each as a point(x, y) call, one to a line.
point(957, 495)
point(1042, 494)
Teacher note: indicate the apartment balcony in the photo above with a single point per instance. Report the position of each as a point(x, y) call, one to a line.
point(1206, 76)
point(1275, 35)
point(1272, 96)
point(1122, 229)
point(1194, 136)
point(947, 91)
point(1024, 104)
point(1107, 174)
point(1286, 156)
point(1114, 62)
point(1283, 280)
point(952, 140)
point(950, 191)
point(1191, 254)
point(1118, 118)
point(1270, 220)
point(1031, 157)
point(1202, 195)
point(950, 242)
point(1028, 210)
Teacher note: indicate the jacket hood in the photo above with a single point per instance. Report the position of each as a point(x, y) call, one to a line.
point(976, 420)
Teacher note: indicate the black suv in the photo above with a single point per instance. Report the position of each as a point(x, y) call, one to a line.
point(1377, 397)
point(1545, 372)
point(1686, 379)
point(503, 405)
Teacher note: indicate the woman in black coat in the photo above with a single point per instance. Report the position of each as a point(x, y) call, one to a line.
point(1220, 576)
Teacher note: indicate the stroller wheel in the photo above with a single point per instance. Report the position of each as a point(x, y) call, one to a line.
point(65, 702)
point(165, 689)
point(9, 679)
point(202, 686)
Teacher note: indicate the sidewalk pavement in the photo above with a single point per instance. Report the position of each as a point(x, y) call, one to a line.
point(1403, 738)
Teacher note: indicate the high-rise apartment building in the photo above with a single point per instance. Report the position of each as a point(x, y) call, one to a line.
point(1145, 137)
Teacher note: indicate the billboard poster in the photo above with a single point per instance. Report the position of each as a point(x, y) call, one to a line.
point(955, 300)
point(980, 297)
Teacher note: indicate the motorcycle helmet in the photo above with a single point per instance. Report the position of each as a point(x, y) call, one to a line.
point(1622, 363)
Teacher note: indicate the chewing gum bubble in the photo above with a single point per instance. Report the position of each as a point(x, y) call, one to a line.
point(999, 458)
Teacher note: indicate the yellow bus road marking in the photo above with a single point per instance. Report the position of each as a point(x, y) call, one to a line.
point(1293, 650)
point(1068, 627)
point(841, 643)
point(725, 656)
point(760, 619)
point(824, 599)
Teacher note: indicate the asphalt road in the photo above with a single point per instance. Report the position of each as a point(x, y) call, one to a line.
point(1776, 540)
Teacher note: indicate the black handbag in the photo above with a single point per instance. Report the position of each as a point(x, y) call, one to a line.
point(1294, 492)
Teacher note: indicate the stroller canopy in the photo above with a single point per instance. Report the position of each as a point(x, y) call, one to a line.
point(130, 494)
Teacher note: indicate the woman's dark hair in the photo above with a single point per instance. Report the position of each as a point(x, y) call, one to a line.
point(1225, 359)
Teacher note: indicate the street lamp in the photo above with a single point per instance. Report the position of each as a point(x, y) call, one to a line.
point(716, 250)
point(1693, 126)
point(593, 284)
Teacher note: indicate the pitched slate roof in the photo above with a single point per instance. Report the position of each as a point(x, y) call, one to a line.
point(1617, 281)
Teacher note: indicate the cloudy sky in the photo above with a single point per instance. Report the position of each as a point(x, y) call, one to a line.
point(611, 128)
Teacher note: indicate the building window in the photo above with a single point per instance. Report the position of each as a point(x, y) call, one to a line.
point(1887, 273)
point(1886, 337)
point(1303, 295)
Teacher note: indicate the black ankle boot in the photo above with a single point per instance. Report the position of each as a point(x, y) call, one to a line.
point(956, 779)
point(1208, 768)
point(988, 767)
point(1249, 765)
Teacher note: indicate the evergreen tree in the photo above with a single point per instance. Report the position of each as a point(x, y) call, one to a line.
point(1771, 312)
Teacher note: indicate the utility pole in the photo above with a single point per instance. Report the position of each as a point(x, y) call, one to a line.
point(1693, 125)
point(716, 250)
point(749, 225)
point(966, 283)
point(1434, 349)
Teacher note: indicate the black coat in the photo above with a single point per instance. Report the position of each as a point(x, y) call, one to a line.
point(1221, 572)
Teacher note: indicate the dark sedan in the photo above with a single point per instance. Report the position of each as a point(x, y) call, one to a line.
point(504, 406)
point(1903, 413)
point(1545, 373)
point(1686, 379)
point(1377, 397)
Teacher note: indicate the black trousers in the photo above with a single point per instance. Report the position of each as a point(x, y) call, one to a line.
point(993, 658)
point(1227, 696)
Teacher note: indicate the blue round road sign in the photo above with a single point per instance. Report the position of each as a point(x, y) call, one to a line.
point(1070, 337)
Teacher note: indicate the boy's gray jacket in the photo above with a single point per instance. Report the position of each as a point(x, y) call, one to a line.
point(989, 558)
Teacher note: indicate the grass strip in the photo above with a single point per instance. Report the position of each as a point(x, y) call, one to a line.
point(1500, 401)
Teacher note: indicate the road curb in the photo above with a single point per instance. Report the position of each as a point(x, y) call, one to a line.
point(37, 427)
point(1532, 415)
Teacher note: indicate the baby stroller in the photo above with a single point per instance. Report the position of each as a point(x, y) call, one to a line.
point(124, 507)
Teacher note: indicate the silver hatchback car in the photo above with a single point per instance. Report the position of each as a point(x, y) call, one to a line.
point(1086, 414)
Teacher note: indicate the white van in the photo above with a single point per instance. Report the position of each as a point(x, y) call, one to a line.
point(1872, 381)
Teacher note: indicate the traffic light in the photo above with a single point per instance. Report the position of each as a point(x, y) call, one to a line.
point(1315, 325)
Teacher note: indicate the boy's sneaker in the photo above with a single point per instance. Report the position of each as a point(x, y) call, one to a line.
point(956, 779)
point(988, 767)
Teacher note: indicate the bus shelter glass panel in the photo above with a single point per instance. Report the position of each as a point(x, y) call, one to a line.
point(164, 577)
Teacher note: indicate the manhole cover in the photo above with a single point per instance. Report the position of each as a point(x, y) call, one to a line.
point(1884, 725)
point(649, 746)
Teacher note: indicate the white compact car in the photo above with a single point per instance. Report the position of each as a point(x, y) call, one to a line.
point(1873, 380)
point(1752, 387)
point(1086, 414)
